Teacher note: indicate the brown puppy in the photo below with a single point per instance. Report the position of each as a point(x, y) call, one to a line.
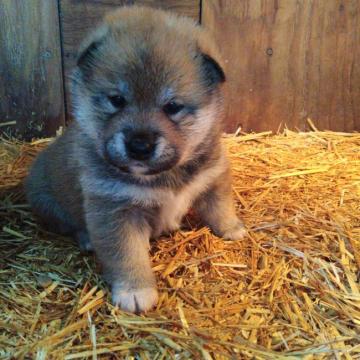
point(145, 147)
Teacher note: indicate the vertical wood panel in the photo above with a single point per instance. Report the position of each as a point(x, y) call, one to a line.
point(289, 60)
point(31, 91)
point(78, 17)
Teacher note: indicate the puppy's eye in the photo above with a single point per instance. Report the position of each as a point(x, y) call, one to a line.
point(172, 108)
point(117, 101)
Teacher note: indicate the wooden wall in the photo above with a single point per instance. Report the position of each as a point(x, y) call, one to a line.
point(285, 60)
point(288, 60)
point(31, 90)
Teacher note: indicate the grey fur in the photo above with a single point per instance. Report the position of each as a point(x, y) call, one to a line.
point(114, 208)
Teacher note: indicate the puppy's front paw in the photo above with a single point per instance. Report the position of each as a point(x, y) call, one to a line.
point(236, 232)
point(134, 300)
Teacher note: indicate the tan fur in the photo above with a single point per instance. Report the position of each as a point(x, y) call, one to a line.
point(90, 185)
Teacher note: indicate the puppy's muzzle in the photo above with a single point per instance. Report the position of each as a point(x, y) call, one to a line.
point(141, 146)
point(125, 146)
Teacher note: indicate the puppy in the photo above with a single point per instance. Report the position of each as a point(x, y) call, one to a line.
point(144, 147)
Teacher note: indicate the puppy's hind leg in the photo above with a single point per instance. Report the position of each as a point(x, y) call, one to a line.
point(59, 221)
point(216, 208)
point(55, 219)
point(50, 213)
point(38, 189)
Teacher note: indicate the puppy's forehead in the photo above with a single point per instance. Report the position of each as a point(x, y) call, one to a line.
point(158, 76)
point(152, 69)
point(150, 50)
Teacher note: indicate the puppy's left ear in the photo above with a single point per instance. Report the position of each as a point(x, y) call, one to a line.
point(213, 73)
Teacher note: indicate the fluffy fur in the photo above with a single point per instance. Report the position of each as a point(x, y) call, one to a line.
point(89, 185)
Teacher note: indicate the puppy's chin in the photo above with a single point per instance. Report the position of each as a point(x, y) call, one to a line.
point(151, 169)
point(140, 169)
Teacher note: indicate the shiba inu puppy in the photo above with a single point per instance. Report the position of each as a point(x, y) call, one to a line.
point(144, 147)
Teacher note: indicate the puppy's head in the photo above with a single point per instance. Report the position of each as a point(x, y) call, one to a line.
point(147, 91)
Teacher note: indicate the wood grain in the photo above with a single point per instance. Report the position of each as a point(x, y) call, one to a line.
point(78, 17)
point(31, 90)
point(289, 60)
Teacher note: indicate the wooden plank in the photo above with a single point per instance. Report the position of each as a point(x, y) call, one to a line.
point(289, 60)
point(78, 17)
point(31, 90)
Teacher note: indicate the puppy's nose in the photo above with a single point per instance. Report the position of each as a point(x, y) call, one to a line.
point(141, 146)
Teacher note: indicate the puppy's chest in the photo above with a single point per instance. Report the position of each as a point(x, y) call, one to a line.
point(173, 205)
point(172, 209)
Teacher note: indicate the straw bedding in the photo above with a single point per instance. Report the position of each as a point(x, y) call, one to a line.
point(289, 290)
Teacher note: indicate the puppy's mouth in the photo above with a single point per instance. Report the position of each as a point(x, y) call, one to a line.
point(139, 160)
point(140, 168)
point(143, 169)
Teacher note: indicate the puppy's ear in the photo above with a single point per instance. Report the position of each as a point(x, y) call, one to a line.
point(212, 71)
point(90, 47)
point(86, 56)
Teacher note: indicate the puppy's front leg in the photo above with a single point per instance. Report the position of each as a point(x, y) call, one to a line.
point(216, 208)
point(120, 238)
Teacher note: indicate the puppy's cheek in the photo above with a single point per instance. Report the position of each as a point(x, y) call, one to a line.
point(84, 113)
point(188, 144)
point(171, 154)
point(165, 151)
point(166, 155)
point(198, 129)
point(187, 153)
point(114, 150)
point(167, 162)
point(161, 148)
point(94, 132)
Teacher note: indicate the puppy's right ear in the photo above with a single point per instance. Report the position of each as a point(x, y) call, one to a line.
point(86, 57)
point(90, 47)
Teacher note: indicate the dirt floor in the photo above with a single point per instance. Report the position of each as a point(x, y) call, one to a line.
point(289, 290)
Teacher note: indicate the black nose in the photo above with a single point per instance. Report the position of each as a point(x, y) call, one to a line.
point(141, 146)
